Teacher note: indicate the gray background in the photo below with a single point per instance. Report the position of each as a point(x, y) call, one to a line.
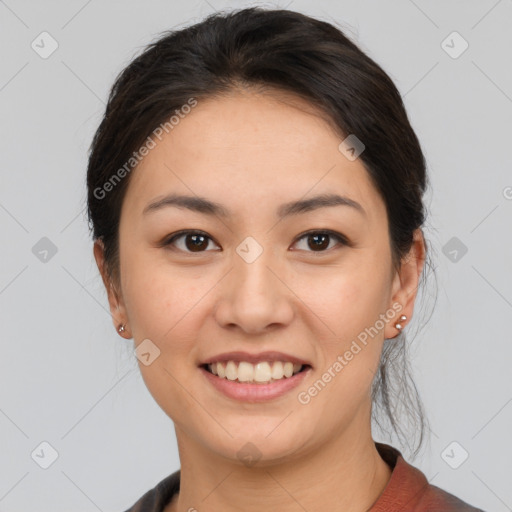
point(68, 379)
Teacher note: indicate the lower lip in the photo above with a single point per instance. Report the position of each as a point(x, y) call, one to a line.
point(255, 392)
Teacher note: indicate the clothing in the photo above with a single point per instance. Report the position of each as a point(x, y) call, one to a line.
point(408, 490)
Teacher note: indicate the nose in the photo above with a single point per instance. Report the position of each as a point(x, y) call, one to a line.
point(254, 296)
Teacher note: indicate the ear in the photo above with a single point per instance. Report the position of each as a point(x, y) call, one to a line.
point(405, 284)
point(116, 304)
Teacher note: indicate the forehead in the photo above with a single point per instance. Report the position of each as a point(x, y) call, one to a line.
point(246, 149)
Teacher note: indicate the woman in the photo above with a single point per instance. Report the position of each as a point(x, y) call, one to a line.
point(255, 194)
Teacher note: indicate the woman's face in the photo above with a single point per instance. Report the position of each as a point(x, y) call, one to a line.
point(255, 282)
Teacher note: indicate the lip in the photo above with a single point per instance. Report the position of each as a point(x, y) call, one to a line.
point(246, 392)
point(254, 358)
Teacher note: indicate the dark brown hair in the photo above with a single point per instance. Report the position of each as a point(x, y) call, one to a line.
point(289, 52)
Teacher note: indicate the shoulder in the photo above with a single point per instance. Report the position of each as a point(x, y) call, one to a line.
point(408, 489)
point(159, 496)
point(434, 498)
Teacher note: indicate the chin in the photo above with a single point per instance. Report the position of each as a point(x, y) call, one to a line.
point(258, 441)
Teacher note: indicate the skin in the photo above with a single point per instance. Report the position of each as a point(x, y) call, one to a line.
point(251, 152)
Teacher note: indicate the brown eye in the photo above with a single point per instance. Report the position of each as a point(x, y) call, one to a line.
point(319, 241)
point(198, 241)
point(189, 241)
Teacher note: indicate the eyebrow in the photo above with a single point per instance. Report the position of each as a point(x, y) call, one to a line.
point(207, 207)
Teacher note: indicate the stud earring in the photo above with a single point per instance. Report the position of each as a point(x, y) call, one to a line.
point(398, 325)
point(121, 328)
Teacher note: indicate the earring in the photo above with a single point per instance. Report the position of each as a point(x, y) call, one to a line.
point(121, 328)
point(399, 325)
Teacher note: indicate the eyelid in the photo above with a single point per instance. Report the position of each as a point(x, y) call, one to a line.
point(342, 240)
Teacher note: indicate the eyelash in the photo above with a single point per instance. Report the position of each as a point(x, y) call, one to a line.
point(333, 234)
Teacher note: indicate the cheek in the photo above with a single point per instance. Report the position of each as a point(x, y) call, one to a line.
point(163, 306)
point(350, 302)
point(348, 298)
point(158, 299)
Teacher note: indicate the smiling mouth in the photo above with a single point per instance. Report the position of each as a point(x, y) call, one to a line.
point(264, 372)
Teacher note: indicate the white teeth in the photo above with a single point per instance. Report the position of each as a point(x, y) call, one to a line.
point(262, 372)
point(245, 372)
point(277, 370)
point(231, 371)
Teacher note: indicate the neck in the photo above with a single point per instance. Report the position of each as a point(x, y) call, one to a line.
point(347, 474)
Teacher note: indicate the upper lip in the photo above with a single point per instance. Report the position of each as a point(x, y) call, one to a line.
point(254, 358)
